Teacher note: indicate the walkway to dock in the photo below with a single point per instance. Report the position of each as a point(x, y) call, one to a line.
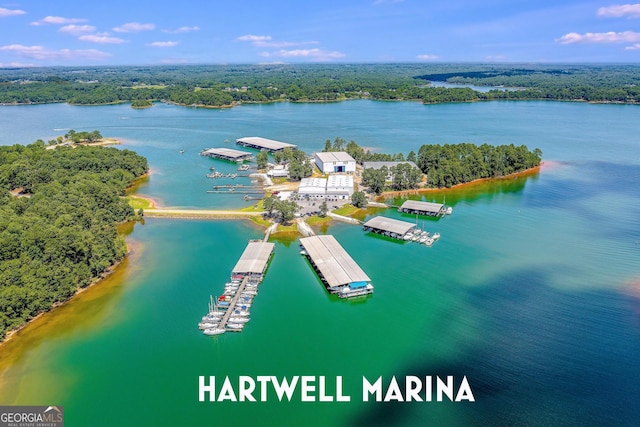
point(304, 228)
point(232, 304)
point(200, 213)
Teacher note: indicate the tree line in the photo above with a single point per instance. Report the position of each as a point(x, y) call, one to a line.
point(216, 86)
point(58, 214)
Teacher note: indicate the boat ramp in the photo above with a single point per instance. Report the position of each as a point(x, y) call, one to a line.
point(231, 310)
point(340, 274)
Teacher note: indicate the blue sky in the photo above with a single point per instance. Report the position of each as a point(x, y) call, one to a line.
point(117, 32)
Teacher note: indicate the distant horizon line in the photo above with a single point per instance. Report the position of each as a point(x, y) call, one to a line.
point(221, 64)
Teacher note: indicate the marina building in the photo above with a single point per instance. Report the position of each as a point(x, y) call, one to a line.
point(260, 143)
point(340, 186)
point(312, 187)
point(335, 162)
point(334, 187)
point(389, 165)
point(339, 272)
point(423, 208)
point(389, 227)
point(254, 260)
point(227, 154)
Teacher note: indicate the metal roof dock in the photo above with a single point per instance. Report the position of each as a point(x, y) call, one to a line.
point(227, 154)
point(384, 225)
point(253, 261)
point(422, 208)
point(333, 264)
point(260, 143)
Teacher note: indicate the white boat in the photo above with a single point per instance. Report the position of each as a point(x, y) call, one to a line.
point(208, 325)
point(429, 241)
point(349, 292)
point(240, 313)
point(238, 319)
point(214, 331)
point(235, 325)
point(436, 236)
point(408, 236)
point(449, 210)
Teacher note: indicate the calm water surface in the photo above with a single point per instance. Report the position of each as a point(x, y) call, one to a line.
point(533, 291)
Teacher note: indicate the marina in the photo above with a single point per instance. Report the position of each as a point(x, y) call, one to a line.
point(230, 311)
point(401, 230)
point(424, 208)
point(260, 143)
point(338, 271)
point(227, 154)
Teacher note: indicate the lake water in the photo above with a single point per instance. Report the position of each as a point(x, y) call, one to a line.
point(532, 293)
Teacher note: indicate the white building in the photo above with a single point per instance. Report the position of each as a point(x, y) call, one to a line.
point(340, 186)
point(335, 162)
point(312, 187)
point(278, 171)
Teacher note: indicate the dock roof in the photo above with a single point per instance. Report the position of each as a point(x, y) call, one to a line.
point(414, 205)
point(254, 258)
point(332, 261)
point(227, 153)
point(263, 143)
point(389, 224)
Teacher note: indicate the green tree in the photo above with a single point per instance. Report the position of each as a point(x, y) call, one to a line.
point(324, 209)
point(375, 178)
point(359, 199)
point(262, 158)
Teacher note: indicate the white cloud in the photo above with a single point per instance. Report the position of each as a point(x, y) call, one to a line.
point(163, 44)
point(15, 65)
point(610, 37)
point(620, 10)
point(101, 38)
point(134, 27)
point(253, 38)
point(182, 30)
point(77, 29)
point(266, 41)
point(315, 54)
point(58, 20)
point(427, 57)
point(10, 12)
point(39, 52)
point(493, 58)
point(634, 47)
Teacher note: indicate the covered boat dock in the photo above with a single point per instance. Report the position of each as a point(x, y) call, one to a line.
point(340, 273)
point(227, 154)
point(254, 260)
point(388, 226)
point(260, 143)
point(422, 208)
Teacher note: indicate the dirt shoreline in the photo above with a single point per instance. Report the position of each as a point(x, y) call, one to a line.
point(10, 334)
point(389, 194)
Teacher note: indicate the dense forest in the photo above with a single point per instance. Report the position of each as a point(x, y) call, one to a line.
point(227, 85)
point(58, 214)
point(451, 164)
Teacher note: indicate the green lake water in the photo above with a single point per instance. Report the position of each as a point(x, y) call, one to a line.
point(532, 292)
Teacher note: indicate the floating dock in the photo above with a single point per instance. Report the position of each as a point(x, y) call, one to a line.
point(260, 143)
point(227, 154)
point(230, 312)
point(339, 272)
point(389, 227)
point(423, 208)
